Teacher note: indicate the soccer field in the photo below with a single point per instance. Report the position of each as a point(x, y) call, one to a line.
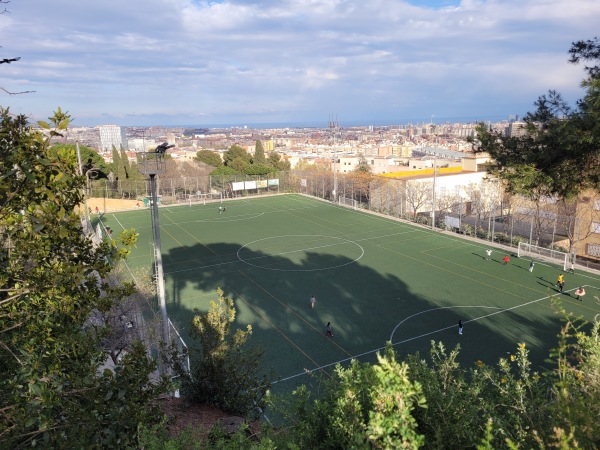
point(375, 279)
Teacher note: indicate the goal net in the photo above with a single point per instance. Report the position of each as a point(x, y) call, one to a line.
point(526, 250)
point(350, 202)
point(200, 197)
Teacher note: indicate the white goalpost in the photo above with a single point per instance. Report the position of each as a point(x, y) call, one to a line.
point(201, 197)
point(526, 250)
point(347, 201)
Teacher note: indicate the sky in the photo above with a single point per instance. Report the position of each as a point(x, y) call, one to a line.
point(247, 62)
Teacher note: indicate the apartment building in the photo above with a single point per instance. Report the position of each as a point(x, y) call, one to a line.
point(112, 135)
point(587, 232)
point(516, 129)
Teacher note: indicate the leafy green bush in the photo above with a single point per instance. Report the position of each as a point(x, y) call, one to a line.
point(225, 369)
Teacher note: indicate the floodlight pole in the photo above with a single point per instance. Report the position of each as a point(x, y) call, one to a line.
point(334, 179)
point(433, 195)
point(160, 279)
point(152, 164)
point(80, 165)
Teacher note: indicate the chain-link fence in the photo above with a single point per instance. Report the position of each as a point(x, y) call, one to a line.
point(182, 189)
point(477, 210)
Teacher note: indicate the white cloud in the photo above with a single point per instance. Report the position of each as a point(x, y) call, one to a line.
point(291, 59)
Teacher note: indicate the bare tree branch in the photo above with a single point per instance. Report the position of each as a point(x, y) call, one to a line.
point(9, 60)
point(16, 93)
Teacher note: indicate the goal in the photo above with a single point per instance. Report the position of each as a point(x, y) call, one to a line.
point(347, 201)
point(200, 197)
point(526, 250)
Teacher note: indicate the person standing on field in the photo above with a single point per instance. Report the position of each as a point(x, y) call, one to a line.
point(460, 327)
point(506, 259)
point(313, 302)
point(531, 264)
point(560, 282)
point(328, 330)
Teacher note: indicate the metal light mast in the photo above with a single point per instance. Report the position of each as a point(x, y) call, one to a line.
point(152, 164)
point(433, 195)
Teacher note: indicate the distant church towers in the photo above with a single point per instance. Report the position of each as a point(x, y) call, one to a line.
point(332, 123)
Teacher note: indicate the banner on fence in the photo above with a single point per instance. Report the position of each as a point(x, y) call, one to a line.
point(261, 184)
point(452, 221)
point(237, 186)
point(274, 182)
point(250, 184)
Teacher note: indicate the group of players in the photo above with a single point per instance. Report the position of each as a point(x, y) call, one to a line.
point(560, 283)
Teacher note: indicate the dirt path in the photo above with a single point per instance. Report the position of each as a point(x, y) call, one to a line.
point(112, 204)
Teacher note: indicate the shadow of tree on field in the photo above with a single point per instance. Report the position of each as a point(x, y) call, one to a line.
point(271, 292)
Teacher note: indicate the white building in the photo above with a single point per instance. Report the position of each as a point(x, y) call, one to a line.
point(112, 135)
point(141, 144)
point(516, 129)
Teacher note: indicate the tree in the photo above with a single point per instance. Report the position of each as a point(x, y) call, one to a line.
point(94, 166)
point(236, 152)
point(118, 169)
point(224, 170)
point(448, 203)
point(417, 194)
point(60, 121)
point(435, 403)
point(586, 51)
point(125, 162)
point(259, 169)
point(523, 407)
point(305, 165)
point(211, 158)
point(226, 370)
point(52, 392)
point(451, 418)
point(239, 164)
point(277, 162)
point(362, 406)
point(560, 153)
point(363, 165)
point(259, 154)
point(438, 404)
point(361, 185)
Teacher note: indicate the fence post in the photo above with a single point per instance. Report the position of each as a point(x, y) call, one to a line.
point(512, 225)
point(531, 230)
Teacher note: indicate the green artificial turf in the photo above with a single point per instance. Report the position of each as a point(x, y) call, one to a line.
point(374, 278)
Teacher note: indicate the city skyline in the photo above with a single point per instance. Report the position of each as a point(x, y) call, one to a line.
point(197, 63)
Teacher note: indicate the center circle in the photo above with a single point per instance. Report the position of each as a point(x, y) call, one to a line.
point(300, 253)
